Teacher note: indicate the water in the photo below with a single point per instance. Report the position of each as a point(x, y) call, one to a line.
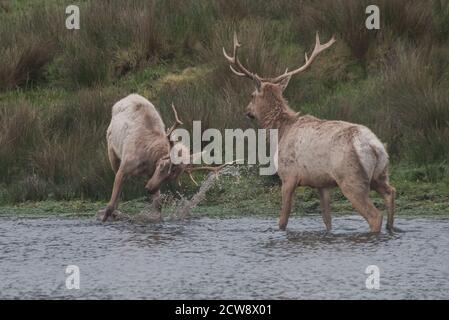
point(222, 258)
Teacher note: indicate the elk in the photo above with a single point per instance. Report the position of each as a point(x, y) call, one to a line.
point(139, 145)
point(318, 153)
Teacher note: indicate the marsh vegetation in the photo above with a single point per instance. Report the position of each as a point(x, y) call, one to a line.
point(57, 87)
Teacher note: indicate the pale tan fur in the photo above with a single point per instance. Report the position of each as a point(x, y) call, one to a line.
point(318, 153)
point(324, 154)
point(138, 146)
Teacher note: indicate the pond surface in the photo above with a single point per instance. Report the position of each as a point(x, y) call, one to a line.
point(239, 258)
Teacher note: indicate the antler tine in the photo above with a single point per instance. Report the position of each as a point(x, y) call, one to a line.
point(322, 47)
point(192, 178)
point(177, 121)
point(209, 168)
point(236, 72)
point(236, 46)
point(236, 66)
point(308, 60)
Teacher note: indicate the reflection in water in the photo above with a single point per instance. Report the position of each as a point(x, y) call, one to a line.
point(222, 258)
point(321, 238)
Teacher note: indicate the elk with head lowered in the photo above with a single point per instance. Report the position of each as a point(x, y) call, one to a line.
point(139, 145)
point(318, 153)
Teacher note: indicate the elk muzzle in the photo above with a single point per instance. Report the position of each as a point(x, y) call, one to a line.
point(152, 187)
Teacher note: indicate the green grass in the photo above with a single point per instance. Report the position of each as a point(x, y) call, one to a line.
point(251, 195)
point(57, 88)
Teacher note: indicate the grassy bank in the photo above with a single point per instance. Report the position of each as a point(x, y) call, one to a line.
point(57, 87)
point(247, 194)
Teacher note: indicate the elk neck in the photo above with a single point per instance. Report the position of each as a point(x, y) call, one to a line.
point(156, 144)
point(275, 113)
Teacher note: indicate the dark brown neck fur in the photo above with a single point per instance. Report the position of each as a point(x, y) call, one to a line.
point(275, 113)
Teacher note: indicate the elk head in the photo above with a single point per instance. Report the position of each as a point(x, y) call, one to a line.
point(166, 169)
point(269, 90)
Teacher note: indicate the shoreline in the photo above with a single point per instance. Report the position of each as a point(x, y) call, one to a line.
point(89, 209)
point(240, 193)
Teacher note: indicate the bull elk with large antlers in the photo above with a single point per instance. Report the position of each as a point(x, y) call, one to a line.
point(139, 145)
point(319, 153)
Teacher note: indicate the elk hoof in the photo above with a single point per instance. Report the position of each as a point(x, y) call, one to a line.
point(394, 229)
point(282, 225)
point(113, 216)
point(155, 218)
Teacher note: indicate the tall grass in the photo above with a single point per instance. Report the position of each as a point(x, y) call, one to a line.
point(393, 80)
point(407, 104)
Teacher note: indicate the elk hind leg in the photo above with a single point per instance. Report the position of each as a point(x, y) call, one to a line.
point(358, 195)
point(388, 193)
point(325, 207)
point(288, 188)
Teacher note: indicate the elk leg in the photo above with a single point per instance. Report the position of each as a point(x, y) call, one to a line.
point(114, 160)
point(325, 208)
point(157, 203)
point(112, 205)
point(288, 188)
point(388, 193)
point(358, 195)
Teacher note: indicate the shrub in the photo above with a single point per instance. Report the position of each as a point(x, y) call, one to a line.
point(19, 133)
point(26, 65)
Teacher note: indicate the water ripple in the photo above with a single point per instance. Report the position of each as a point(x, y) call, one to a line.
point(242, 258)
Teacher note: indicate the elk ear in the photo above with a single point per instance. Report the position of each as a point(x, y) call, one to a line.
point(284, 82)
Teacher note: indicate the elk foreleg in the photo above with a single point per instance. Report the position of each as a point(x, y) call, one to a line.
point(112, 205)
point(156, 201)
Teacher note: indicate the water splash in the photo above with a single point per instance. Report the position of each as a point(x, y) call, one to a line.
point(183, 208)
point(180, 208)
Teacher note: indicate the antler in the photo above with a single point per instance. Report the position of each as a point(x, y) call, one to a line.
point(244, 72)
point(216, 169)
point(235, 63)
point(177, 121)
point(316, 51)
